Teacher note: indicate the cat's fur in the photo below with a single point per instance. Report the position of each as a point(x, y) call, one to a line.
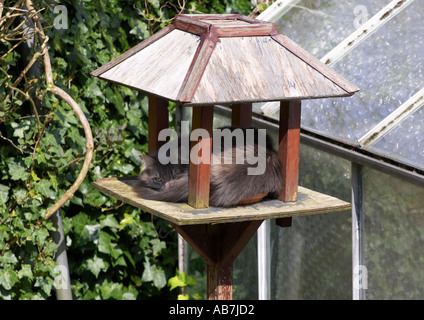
point(229, 183)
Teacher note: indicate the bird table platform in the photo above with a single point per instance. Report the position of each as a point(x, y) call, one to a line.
point(203, 60)
point(220, 234)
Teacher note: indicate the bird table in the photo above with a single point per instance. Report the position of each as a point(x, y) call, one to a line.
point(200, 61)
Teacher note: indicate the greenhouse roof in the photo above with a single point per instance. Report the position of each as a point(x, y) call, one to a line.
point(378, 46)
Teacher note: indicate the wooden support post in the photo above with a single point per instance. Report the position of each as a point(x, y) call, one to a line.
point(158, 120)
point(199, 179)
point(219, 245)
point(288, 151)
point(241, 115)
point(219, 282)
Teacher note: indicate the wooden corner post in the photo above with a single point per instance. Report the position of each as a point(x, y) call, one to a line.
point(288, 148)
point(200, 168)
point(241, 115)
point(158, 120)
point(288, 151)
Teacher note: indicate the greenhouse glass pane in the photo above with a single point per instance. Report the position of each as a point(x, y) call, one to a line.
point(405, 143)
point(318, 26)
point(394, 237)
point(387, 67)
point(313, 258)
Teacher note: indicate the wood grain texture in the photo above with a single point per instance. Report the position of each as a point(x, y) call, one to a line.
point(232, 25)
point(241, 115)
point(315, 63)
point(158, 120)
point(223, 59)
point(243, 69)
point(145, 43)
point(199, 174)
point(196, 69)
point(219, 282)
point(160, 68)
point(288, 148)
point(309, 202)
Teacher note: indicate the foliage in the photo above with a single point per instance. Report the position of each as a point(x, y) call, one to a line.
point(114, 251)
point(182, 280)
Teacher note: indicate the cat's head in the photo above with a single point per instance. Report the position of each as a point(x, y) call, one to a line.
point(155, 175)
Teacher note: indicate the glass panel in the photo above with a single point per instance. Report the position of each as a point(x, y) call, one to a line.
point(313, 258)
point(394, 237)
point(405, 143)
point(388, 69)
point(318, 26)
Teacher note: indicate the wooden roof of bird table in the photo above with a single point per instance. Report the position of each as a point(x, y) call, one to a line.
point(223, 59)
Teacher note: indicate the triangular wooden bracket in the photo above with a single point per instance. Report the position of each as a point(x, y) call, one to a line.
point(219, 243)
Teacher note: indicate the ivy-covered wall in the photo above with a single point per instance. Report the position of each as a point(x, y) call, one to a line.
point(115, 251)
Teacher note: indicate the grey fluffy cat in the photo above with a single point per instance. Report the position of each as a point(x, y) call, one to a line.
point(229, 183)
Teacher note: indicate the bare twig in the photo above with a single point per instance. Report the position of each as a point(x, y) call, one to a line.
point(75, 107)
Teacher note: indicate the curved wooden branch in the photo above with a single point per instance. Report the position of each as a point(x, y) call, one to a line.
point(75, 107)
point(89, 150)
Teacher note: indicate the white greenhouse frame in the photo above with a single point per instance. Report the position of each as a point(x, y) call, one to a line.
point(273, 13)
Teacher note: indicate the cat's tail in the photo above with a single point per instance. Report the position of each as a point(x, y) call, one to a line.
point(173, 191)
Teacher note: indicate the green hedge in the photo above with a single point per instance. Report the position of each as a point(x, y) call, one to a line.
point(114, 250)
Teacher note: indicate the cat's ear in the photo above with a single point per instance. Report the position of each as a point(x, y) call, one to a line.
point(146, 161)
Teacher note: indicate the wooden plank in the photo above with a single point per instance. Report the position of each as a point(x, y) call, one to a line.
point(145, 43)
point(191, 25)
point(199, 179)
point(160, 68)
point(219, 243)
point(232, 238)
point(315, 63)
point(196, 69)
point(288, 148)
point(241, 115)
point(245, 30)
point(309, 202)
point(200, 240)
point(248, 69)
point(158, 120)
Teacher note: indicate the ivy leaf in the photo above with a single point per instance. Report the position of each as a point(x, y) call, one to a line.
point(20, 128)
point(109, 221)
point(17, 172)
point(75, 135)
point(107, 246)
point(181, 280)
point(154, 273)
point(8, 258)
point(44, 188)
point(44, 284)
point(96, 265)
point(157, 246)
point(110, 290)
point(8, 277)
point(128, 219)
point(4, 193)
point(25, 272)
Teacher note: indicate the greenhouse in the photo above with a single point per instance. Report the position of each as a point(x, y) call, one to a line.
point(364, 149)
